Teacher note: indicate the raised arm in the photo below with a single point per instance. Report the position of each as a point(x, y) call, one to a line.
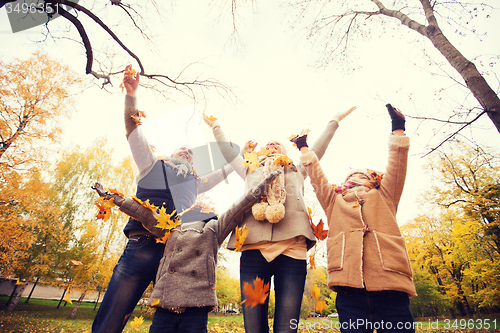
point(232, 155)
point(394, 178)
point(321, 144)
point(139, 146)
point(209, 181)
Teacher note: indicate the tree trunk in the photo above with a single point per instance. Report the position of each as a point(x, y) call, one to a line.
point(62, 297)
point(97, 300)
point(77, 305)
point(19, 291)
point(32, 289)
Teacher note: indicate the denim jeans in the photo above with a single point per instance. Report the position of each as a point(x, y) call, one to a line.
point(131, 276)
point(193, 320)
point(289, 279)
point(364, 311)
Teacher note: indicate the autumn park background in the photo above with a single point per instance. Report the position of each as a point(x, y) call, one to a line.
point(265, 71)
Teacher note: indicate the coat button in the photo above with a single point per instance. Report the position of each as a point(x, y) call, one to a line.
point(193, 272)
point(171, 270)
point(198, 253)
point(179, 250)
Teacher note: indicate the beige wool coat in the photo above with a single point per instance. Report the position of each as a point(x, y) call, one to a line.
point(365, 247)
point(296, 221)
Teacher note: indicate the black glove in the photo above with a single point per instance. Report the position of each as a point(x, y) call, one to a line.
point(300, 141)
point(398, 119)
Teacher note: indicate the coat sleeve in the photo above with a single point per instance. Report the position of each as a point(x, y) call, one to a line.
point(231, 154)
point(143, 156)
point(321, 144)
point(209, 181)
point(393, 181)
point(323, 189)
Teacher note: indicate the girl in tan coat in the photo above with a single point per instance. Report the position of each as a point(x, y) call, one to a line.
point(368, 264)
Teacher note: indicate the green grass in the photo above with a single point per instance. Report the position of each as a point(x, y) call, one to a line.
point(42, 316)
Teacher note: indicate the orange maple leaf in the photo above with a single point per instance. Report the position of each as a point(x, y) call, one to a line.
point(115, 191)
point(145, 203)
point(104, 206)
point(165, 220)
point(211, 118)
point(241, 234)
point(155, 302)
point(256, 295)
point(318, 230)
point(164, 238)
point(284, 160)
point(312, 264)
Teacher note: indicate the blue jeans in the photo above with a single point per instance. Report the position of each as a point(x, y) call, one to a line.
point(363, 311)
point(193, 320)
point(289, 279)
point(131, 276)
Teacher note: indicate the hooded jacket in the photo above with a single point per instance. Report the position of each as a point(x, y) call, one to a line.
point(365, 247)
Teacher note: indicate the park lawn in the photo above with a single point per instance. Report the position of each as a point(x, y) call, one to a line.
point(42, 316)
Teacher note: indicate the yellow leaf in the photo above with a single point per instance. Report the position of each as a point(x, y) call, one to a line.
point(257, 294)
point(251, 160)
point(137, 321)
point(76, 262)
point(155, 302)
point(165, 220)
point(320, 306)
point(211, 118)
point(164, 238)
point(66, 298)
point(241, 234)
point(315, 292)
point(284, 160)
point(145, 203)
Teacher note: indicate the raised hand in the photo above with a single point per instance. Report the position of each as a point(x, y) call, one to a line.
point(130, 80)
point(249, 147)
point(397, 117)
point(300, 141)
point(341, 115)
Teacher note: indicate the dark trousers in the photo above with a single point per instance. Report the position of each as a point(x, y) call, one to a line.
point(365, 311)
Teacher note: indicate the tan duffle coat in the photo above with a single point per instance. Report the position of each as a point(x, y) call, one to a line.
point(364, 244)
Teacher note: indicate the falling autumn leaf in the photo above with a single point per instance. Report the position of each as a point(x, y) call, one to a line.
point(137, 117)
point(251, 161)
point(136, 322)
point(320, 306)
point(211, 118)
point(76, 262)
point(19, 282)
point(155, 302)
point(115, 191)
point(256, 295)
point(67, 298)
point(318, 230)
point(241, 234)
point(315, 290)
point(163, 239)
point(145, 203)
point(166, 221)
point(284, 160)
point(312, 264)
point(104, 206)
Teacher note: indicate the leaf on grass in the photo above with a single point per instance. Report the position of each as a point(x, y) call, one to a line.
point(165, 220)
point(136, 322)
point(241, 234)
point(256, 295)
point(318, 230)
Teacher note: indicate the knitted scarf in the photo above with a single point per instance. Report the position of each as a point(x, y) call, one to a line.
point(181, 168)
point(356, 183)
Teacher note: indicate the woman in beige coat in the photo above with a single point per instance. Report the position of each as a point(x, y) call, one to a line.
point(368, 264)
